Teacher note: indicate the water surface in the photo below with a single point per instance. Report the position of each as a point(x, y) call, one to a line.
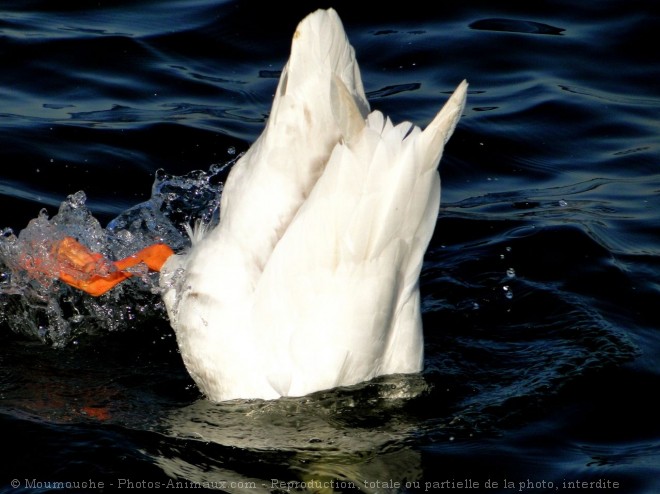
point(540, 286)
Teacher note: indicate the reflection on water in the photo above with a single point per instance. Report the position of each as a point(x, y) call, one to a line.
point(351, 436)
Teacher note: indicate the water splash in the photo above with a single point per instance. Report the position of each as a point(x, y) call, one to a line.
point(34, 303)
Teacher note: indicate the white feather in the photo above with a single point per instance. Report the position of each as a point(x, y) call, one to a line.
point(310, 279)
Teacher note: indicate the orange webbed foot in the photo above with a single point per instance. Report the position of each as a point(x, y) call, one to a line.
point(94, 274)
point(154, 256)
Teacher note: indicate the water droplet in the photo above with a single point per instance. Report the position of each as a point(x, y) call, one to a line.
point(562, 203)
point(77, 200)
point(511, 273)
point(231, 150)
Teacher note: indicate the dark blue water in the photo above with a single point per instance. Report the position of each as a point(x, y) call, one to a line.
point(540, 289)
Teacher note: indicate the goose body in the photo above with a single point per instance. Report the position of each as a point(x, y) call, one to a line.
point(310, 279)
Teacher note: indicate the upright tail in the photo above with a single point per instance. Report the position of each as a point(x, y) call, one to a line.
point(340, 291)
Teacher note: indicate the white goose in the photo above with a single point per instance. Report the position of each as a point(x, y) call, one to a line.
point(310, 280)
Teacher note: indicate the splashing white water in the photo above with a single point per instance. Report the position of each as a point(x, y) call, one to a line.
point(35, 303)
